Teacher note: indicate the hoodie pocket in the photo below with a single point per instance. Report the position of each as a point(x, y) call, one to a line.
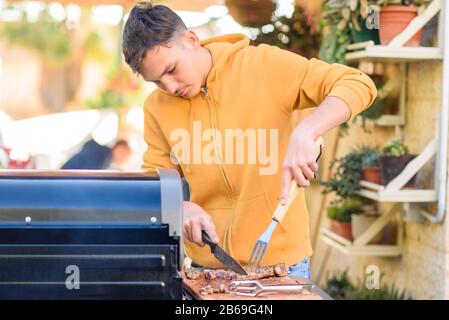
point(250, 220)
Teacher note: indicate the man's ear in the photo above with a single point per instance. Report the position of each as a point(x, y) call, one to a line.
point(190, 39)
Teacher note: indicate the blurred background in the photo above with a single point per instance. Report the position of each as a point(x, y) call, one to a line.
point(63, 80)
point(63, 83)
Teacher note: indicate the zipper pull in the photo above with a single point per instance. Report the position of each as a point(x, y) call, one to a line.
point(206, 91)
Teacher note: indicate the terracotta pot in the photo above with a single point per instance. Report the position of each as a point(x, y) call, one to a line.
point(391, 166)
point(342, 229)
point(371, 174)
point(393, 20)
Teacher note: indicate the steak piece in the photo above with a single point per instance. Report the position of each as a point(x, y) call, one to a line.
point(210, 289)
point(277, 270)
point(220, 274)
point(192, 273)
point(218, 280)
point(281, 270)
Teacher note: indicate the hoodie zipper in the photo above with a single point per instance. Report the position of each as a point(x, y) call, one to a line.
point(214, 125)
point(217, 154)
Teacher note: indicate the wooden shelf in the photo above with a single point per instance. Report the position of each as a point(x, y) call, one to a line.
point(380, 193)
point(348, 247)
point(360, 246)
point(395, 51)
point(395, 191)
point(369, 51)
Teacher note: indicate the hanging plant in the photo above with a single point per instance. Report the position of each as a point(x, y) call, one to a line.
point(253, 14)
point(294, 34)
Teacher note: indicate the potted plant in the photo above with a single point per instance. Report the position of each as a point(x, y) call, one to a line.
point(395, 156)
point(345, 22)
point(370, 166)
point(395, 16)
point(348, 171)
point(340, 214)
point(356, 13)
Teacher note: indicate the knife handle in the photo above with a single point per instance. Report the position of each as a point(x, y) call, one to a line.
point(207, 240)
point(281, 210)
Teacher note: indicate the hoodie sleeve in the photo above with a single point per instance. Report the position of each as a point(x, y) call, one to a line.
point(157, 154)
point(298, 83)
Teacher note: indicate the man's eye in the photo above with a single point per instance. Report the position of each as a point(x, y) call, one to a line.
point(172, 70)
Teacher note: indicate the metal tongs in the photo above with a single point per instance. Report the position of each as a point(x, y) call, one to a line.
point(252, 288)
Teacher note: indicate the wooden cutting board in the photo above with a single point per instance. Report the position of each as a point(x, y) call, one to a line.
point(193, 288)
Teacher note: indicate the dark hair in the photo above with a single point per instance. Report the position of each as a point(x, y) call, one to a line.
point(148, 26)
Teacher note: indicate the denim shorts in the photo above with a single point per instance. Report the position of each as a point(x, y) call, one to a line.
point(301, 269)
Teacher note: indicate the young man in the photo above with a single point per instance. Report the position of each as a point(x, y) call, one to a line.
point(222, 87)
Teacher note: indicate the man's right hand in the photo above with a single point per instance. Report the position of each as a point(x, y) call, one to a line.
point(195, 220)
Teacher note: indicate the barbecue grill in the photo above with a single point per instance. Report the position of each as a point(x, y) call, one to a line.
point(90, 234)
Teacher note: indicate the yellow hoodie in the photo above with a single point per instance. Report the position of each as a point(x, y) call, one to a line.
point(254, 88)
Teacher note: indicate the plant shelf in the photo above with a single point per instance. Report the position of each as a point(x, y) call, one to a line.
point(381, 194)
point(360, 246)
point(371, 52)
point(395, 51)
point(347, 247)
point(395, 191)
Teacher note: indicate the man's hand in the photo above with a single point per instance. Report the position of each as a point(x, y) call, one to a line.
point(195, 220)
point(299, 163)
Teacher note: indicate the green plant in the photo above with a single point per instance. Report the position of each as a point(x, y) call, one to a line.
point(50, 38)
point(348, 172)
point(336, 35)
point(396, 149)
point(106, 99)
point(370, 157)
point(344, 211)
point(340, 17)
point(340, 287)
point(387, 292)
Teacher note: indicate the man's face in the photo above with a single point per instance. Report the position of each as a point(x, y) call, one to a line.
point(176, 67)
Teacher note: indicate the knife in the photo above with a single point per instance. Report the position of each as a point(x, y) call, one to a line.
point(222, 256)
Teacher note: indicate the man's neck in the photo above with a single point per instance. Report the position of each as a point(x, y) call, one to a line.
point(207, 58)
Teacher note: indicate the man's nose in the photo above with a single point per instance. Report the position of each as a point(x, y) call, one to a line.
point(170, 87)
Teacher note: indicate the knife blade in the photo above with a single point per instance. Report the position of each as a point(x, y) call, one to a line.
point(222, 255)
